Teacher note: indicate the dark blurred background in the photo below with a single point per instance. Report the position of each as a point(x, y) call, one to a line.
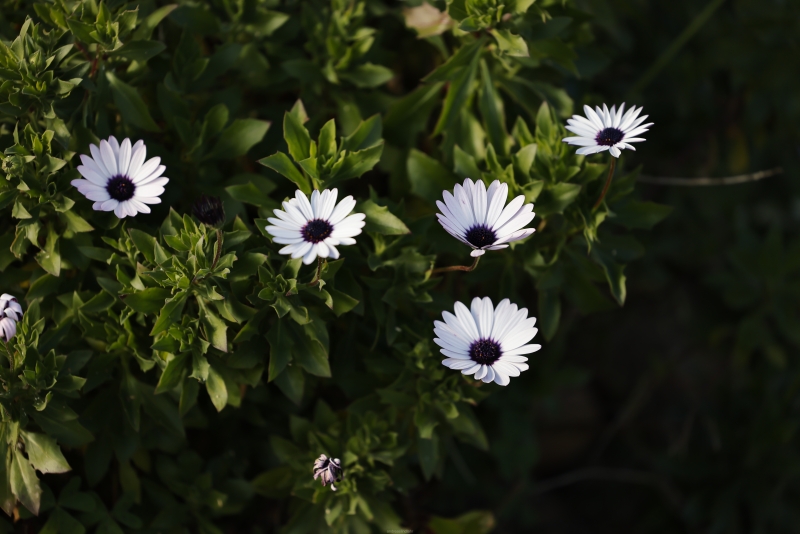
point(680, 411)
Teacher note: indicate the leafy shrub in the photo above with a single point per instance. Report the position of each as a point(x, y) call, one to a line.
point(188, 393)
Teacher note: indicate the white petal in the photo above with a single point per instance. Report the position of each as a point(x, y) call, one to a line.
point(124, 158)
point(509, 211)
point(311, 255)
point(147, 169)
point(92, 176)
point(477, 252)
point(304, 205)
point(109, 159)
point(500, 378)
point(614, 151)
point(342, 209)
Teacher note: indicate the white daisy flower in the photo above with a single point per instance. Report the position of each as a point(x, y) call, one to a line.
point(486, 341)
point(10, 313)
point(604, 129)
point(118, 178)
point(316, 228)
point(477, 218)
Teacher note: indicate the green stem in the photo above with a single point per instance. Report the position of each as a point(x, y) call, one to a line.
point(315, 281)
point(607, 184)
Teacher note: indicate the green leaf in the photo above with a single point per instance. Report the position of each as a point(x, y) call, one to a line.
point(491, 106)
point(215, 385)
point(296, 135)
point(151, 300)
point(76, 223)
point(475, 522)
point(355, 164)
point(342, 302)
point(465, 165)
point(511, 44)
point(249, 193)
point(173, 373)
point(145, 29)
point(367, 75)
point(635, 214)
point(170, 313)
point(428, 177)
point(161, 408)
point(368, 134)
point(238, 138)
point(144, 242)
point(275, 483)
point(44, 453)
point(24, 483)
point(458, 93)
point(139, 50)
point(428, 453)
point(613, 272)
point(555, 198)
point(464, 56)
point(280, 349)
point(380, 220)
point(130, 104)
point(309, 353)
point(327, 140)
point(280, 163)
point(291, 382)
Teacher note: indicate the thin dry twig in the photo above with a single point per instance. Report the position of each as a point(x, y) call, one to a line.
point(728, 180)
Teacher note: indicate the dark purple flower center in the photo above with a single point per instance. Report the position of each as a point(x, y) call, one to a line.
point(481, 236)
point(120, 188)
point(485, 351)
point(316, 230)
point(609, 136)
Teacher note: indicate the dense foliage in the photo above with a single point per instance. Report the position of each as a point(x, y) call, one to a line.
point(151, 388)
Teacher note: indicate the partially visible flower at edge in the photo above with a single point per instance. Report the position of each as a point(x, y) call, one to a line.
point(10, 313)
point(486, 341)
point(117, 177)
point(315, 228)
point(329, 470)
point(477, 217)
point(426, 20)
point(604, 129)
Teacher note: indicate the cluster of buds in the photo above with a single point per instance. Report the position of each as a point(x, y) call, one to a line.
point(329, 470)
point(10, 314)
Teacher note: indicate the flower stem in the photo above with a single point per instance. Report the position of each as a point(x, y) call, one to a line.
point(608, 183)
point(219, 249)
point(315, 281)
point(466, 268)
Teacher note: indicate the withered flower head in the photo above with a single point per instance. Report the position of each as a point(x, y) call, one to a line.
point(329, 469)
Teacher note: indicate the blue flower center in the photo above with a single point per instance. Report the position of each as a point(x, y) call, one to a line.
point(609, 136)
point(120, 188)
point(316, 230)
point(481, 236)
point(485, 351)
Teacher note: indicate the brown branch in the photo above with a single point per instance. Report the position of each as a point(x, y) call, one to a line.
point(728, 180)
point(466, 268)
point(629, 476)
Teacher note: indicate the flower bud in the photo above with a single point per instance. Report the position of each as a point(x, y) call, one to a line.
point(209, 211)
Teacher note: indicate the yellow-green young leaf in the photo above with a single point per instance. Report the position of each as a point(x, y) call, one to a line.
point(327, 140)
point(215, 385)
point(354, 164)
point(465, 165)
point(368, 134)
point(169, 313)
point(130, 104)
point(44, 453)
point(513, 45)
